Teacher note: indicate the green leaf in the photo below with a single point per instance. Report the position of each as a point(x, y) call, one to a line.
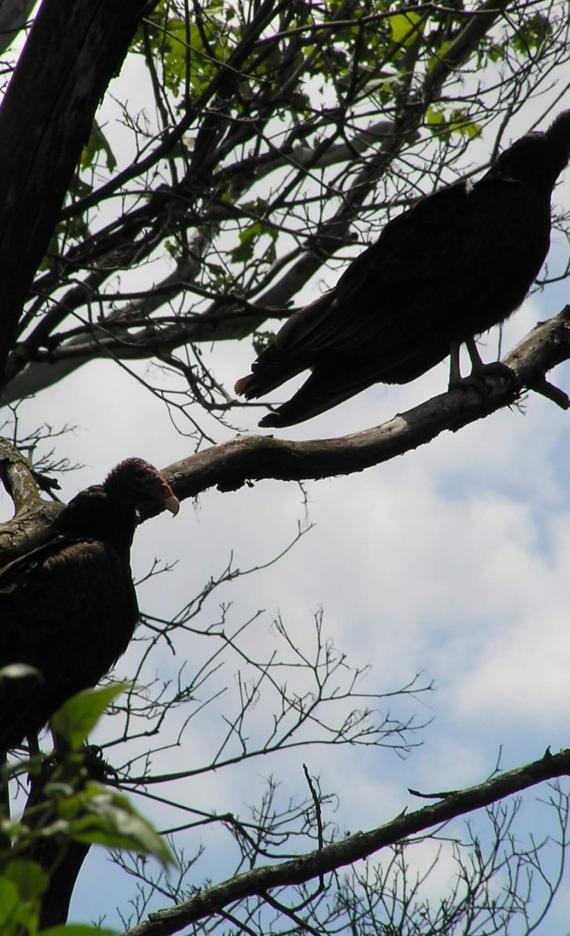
point(108, 818)
point(188, 51)
point(532, 33)
point(471, 130)
point(458, 121)
point(440, 55)
point(9, 902)
point(404, 27)
point(175, 59)
point(248, 238)
point(30, 879)
point(79, 715)
point(96, 144)
point(76, 929)
point(434, 117)
point(247, 241)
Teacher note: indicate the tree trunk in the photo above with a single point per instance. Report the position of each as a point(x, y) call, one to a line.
point(74, 49)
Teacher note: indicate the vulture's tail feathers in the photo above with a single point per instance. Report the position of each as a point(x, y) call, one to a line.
point(319, 393)
point(266, 377)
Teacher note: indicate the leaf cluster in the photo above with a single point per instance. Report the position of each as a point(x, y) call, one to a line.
point(65, 806)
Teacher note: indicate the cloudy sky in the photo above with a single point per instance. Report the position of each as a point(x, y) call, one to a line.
point(450, 562)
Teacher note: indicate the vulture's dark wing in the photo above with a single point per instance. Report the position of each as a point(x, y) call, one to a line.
point(68, 609)
point(359, 309)
point(446, 268)
point(441, 272)
point(457, 263)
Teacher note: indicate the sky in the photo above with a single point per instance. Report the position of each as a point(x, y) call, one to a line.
point(449, 563)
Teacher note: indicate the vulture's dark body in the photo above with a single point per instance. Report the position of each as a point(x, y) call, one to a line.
point(69, 607)
point(107, 626)
point(458, 262)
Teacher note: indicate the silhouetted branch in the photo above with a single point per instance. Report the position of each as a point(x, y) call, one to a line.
point(220, 176)
point(37, 168)
point(354, 848)
point(253, 458)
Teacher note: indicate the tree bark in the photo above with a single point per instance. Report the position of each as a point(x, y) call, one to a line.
point(252, 458)
point(74, 49)
point(13, 16)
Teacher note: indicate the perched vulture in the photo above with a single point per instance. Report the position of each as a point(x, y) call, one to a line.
point(458, 262)
point(69, 608)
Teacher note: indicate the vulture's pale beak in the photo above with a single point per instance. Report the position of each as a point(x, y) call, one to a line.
point(172, 504)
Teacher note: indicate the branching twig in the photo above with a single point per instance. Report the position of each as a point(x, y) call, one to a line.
point(356, 847)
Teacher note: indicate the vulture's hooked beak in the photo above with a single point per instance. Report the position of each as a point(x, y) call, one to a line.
point(172, 504)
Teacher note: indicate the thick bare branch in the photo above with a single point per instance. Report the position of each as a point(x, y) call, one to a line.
point(252, 458)
point(18, 478)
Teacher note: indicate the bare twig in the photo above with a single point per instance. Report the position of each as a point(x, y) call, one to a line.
point(356, 847)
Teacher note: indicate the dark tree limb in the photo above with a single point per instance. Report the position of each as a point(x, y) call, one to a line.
point(13, 17)
point(45, 121)
point(61, 857)
point(214, 899)
point(252, 458)
point(33, 514)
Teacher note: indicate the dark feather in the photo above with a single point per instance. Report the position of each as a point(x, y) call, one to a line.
point(68, 608)
point(457, 263)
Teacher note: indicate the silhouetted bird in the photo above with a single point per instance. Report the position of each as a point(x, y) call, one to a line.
point(458, 262)
point(69, 608)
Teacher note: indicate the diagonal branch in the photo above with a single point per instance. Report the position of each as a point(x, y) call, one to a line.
point(214, 899)
point(253, 458)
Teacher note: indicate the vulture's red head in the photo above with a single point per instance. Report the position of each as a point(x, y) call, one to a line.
point(110, 511)
point(139, 484)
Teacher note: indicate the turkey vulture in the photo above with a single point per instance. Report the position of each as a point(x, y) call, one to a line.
point(68, 608)
point(456, 263)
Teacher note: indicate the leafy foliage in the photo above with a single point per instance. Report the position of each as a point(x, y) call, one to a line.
point(281, 135)
point(79, 715)
point(71, 808)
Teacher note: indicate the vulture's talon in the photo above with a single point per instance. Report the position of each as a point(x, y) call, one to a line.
point(474, 381)
point(498, 369)
point(484, 377)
